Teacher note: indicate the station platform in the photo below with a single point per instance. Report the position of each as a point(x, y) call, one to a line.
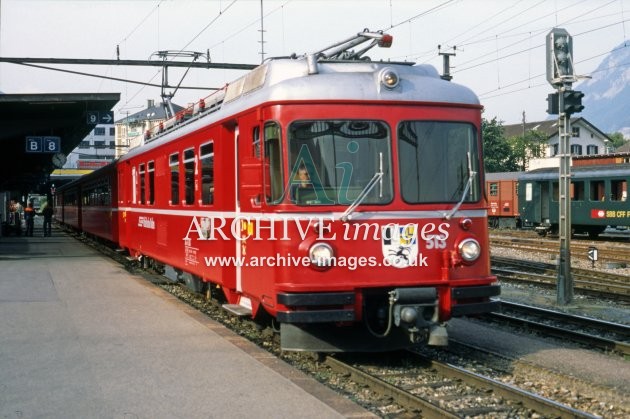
point(80, 337)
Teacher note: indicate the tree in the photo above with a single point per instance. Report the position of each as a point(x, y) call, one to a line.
point(617, 139)
point(498, 154)
point(531, 145)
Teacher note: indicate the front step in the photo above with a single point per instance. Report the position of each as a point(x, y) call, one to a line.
point(237, 309)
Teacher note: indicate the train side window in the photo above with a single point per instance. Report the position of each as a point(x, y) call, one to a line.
point(106, 196)
point(256, 141)
point(618, 190)
point(151, 182)
point(555, 196)
point(189, 175)
point(273, 161)
point(174, 169)
point(598, 191)
point(494, 189)
point(207, 173)
point(142, 183)
point(577, 191)
point(529, 191)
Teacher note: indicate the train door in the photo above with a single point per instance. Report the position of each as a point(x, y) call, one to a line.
point(545, 201)
point(124, 186)
point(250, 189)
point(529, 201)
point(251, 279)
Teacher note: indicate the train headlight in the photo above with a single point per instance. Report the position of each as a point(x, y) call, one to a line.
point(469, 250)
point(389, 78)
point(321, 255)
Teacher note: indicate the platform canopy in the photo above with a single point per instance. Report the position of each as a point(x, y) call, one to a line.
point(54, 120)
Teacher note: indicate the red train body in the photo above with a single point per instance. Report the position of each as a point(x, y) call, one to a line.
point(383, 238)
point(502, 190)
point(89, 204)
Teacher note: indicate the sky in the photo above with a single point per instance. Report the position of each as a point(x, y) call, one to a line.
point(499, 44)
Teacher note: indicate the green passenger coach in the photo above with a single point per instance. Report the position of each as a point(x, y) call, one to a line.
point(599, 199)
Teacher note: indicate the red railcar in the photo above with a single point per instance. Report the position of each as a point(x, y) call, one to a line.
point(502, 190)
point(67, 205)
point(340, 197)
point(89, 204)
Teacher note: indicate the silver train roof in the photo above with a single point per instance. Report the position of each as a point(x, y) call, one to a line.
point(308, 79)
point(295, 79)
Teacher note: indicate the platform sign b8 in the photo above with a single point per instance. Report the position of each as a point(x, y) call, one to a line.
point(46, 144)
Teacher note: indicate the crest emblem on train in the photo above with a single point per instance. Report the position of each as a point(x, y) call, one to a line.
point(400, 244)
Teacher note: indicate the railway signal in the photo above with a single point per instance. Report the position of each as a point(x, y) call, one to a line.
point(559, 57)
point(552, 104)
point(561, 74)
point(572, 101)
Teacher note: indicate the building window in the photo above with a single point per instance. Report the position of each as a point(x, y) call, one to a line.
point(84, 144)
point(591, 149)
point(576, 149)
point(112, 131)
point(555, 150)
point(99, 144)
point(575, 131)
point(174, 164)
point(207, 173)
point(99, 131)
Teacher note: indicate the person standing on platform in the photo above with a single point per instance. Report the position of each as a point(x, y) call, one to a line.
point(29, 218)
point(47, 212)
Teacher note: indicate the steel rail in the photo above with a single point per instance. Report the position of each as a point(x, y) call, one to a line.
point(430, 409)
point(600, 342)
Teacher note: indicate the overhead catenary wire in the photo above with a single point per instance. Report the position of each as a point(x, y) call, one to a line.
point(477, 33)
point(111, 78)
point(486, 95)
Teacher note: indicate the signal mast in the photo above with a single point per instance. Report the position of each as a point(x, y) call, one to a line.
point(561, 75)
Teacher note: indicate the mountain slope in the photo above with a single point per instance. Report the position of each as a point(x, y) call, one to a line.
point(607, 94)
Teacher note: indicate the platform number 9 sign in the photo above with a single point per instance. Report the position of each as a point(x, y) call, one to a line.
point(92, 117)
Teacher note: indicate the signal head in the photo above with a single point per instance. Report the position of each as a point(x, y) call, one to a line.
point(559, 57)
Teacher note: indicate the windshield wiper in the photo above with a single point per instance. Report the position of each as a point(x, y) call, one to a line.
point(469, 182)
point(366, 190)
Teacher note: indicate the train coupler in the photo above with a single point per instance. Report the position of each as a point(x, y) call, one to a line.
point(415, 310)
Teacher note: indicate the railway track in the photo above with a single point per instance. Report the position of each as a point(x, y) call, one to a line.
point(617, 253)
point(433, 389)
point(596, 333)
point(588, 282)
point(448, 391)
